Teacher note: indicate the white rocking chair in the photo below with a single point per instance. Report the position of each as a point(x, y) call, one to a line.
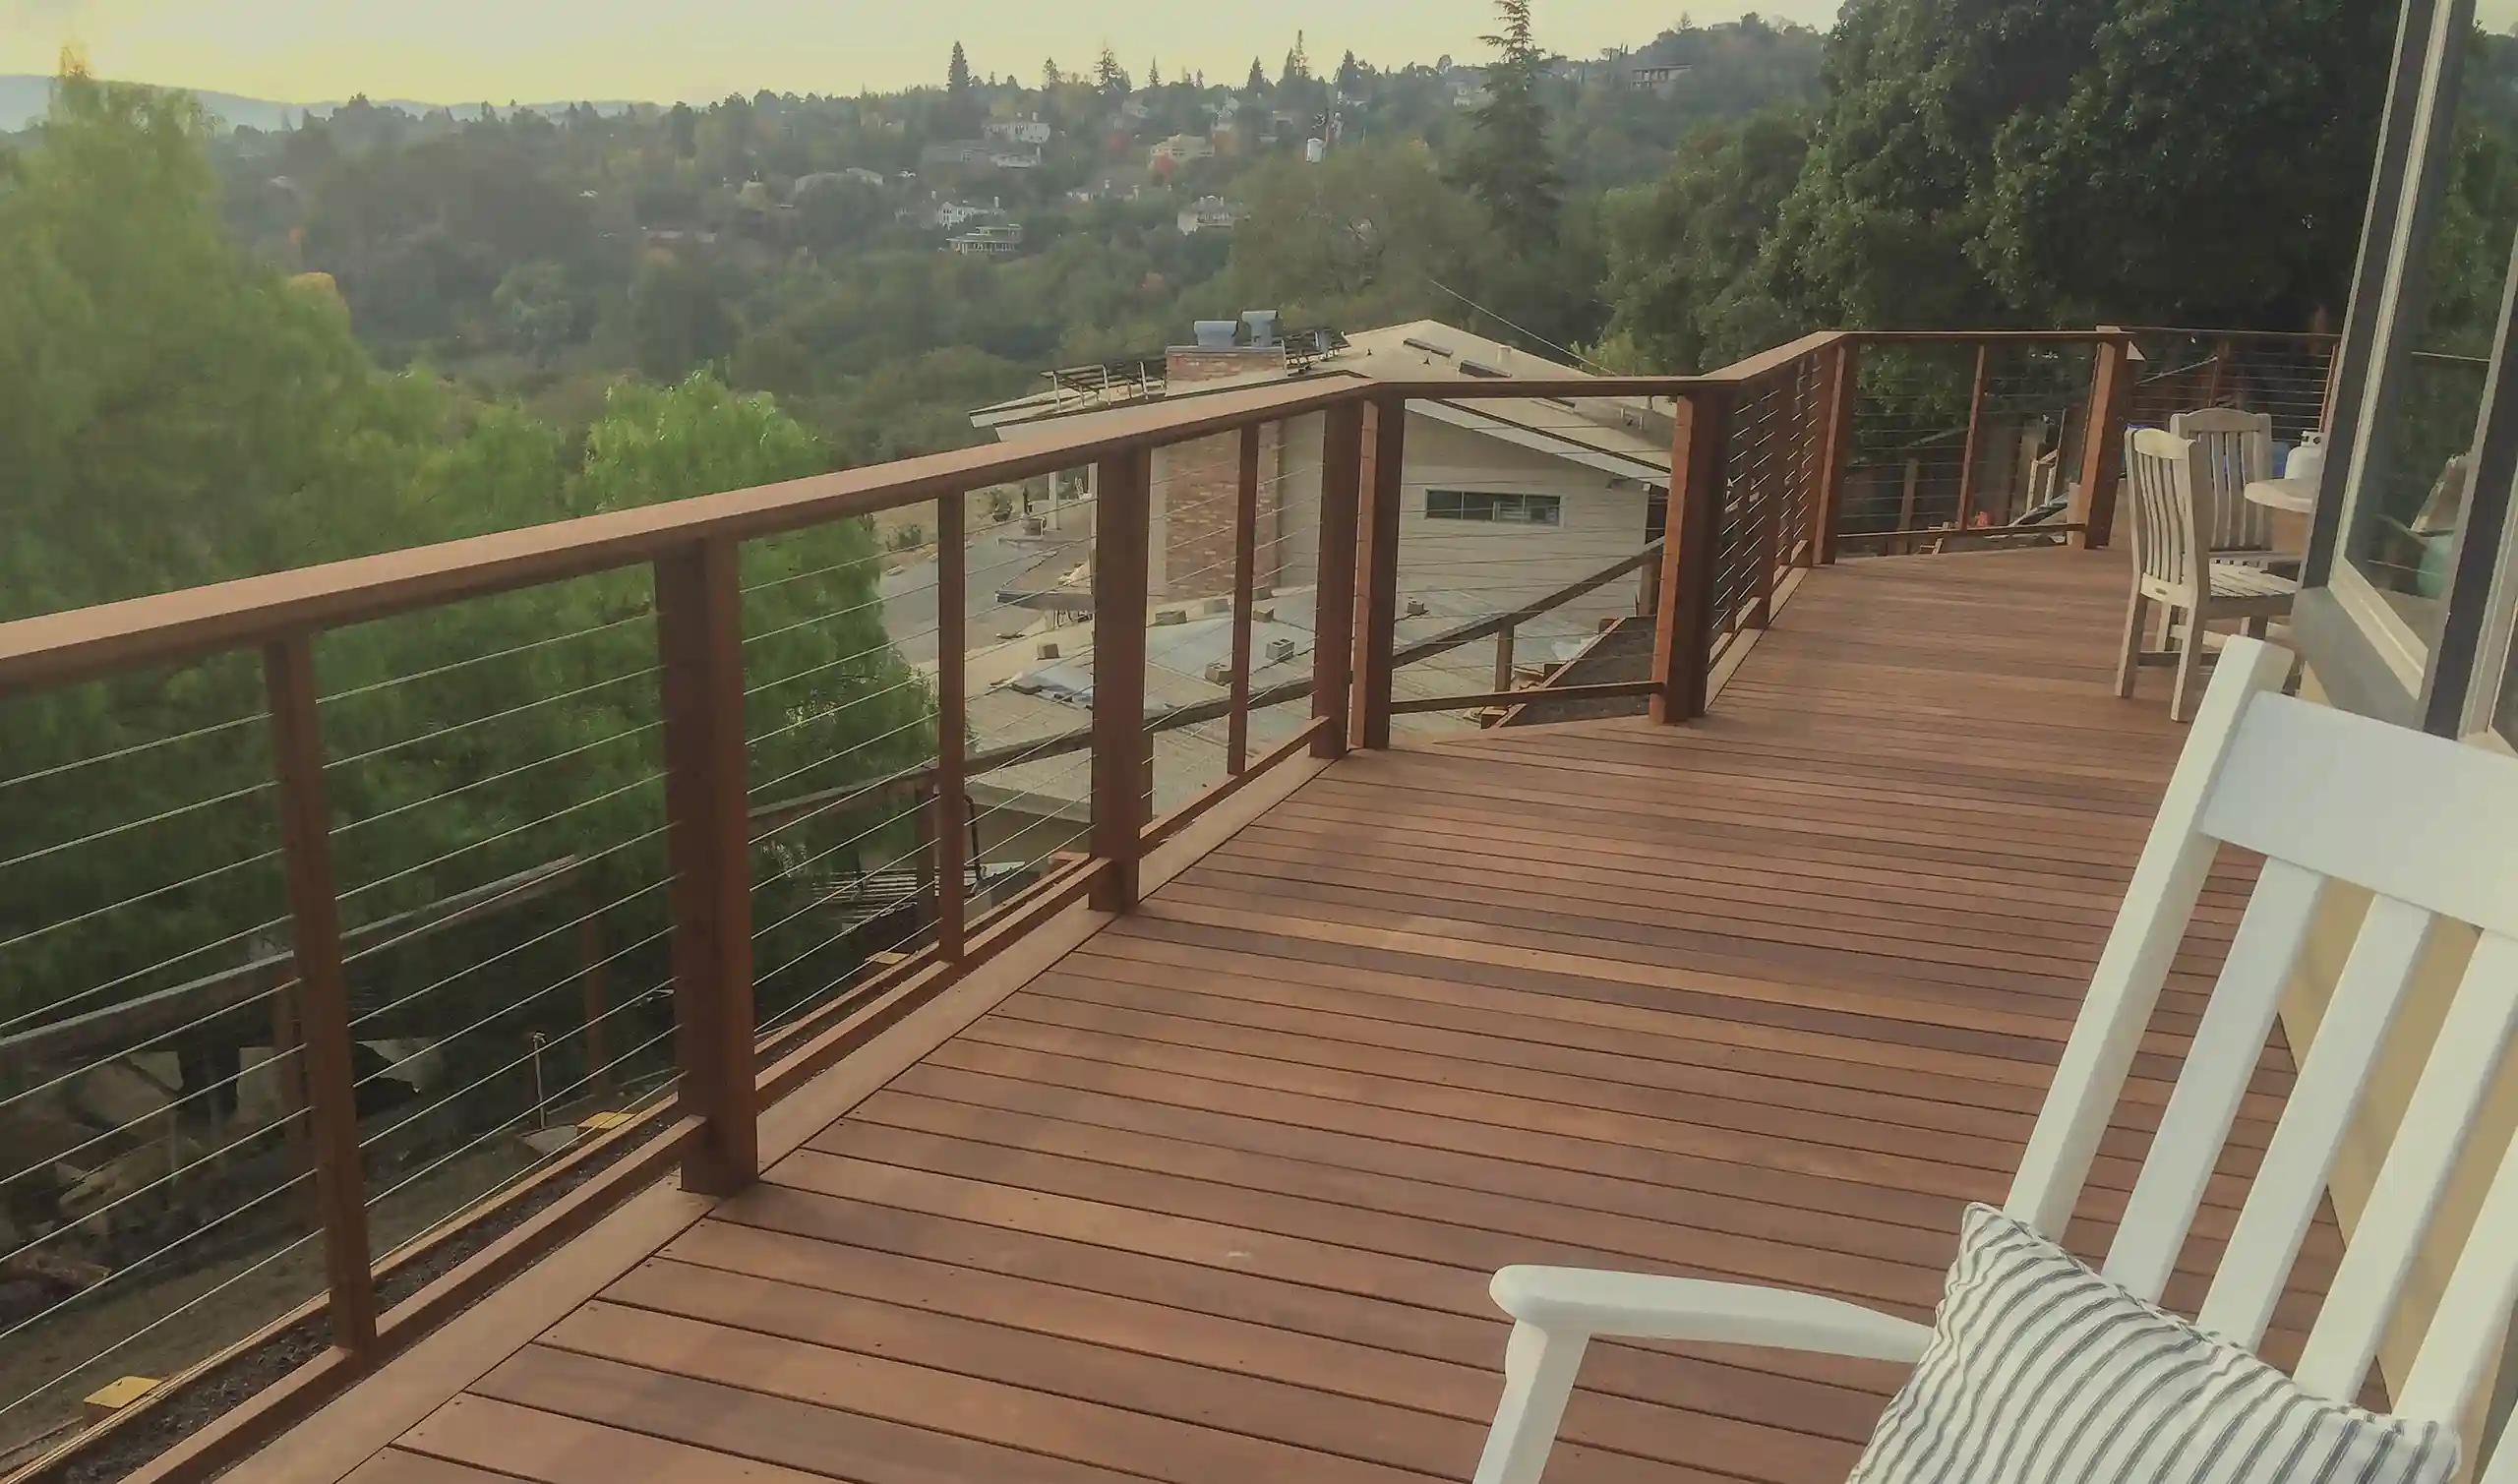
point(2427, 825)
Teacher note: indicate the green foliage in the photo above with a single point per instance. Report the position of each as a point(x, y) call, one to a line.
point(678, 318)
point(172, 413)
point(1359, 239)
point(2029, 161)
point(1507, 162)
point(1683, 272)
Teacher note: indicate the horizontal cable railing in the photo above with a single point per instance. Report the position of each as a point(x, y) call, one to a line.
point(366, 929)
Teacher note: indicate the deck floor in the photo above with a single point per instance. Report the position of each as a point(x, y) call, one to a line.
point(1216, 1197)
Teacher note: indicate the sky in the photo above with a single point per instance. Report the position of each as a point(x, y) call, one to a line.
point(536, 50)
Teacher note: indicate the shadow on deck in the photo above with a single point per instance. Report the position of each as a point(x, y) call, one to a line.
point(1215, 1196)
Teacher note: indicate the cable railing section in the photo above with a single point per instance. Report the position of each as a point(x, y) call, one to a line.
point(343, 913)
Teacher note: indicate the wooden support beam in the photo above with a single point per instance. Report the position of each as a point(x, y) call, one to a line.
point(1835, 448)
point(1341, 469)
point(709, 844)
point(1120, 740)
point(2111, 399)
point(1683, 628)
point(1504, 659)
point(590, 955)
point(1377, 606)
point(952, 723)
point(1246, 576)
point(322, 990)
point(1975, 441)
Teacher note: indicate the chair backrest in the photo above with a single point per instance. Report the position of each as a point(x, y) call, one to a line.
point(2164, 476)
point(2236, 449)
point(2424, 824)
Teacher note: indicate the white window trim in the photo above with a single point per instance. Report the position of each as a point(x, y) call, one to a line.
point(2404, 651)
point(2493, 652)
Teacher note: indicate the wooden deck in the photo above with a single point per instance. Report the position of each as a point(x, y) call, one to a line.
point(1217, 1196)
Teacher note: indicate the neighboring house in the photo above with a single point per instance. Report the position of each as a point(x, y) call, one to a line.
point(951, 215)
point(1211, 213)
point(827, 180)
point(994, 240)
point(1566, 488)
point(1032, 131)
point(1655, 79)
point(1135, 110)
point(957, 152)
point(1180, 148)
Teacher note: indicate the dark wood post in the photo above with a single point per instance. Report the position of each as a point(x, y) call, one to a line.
point(1683, 628)
point(1835, 448)
point(323, 991)
point(590, 983)
point(952, 689)
point(709, 844)
point(1120, 740)
point(1246, 579)
point(1975, 442)
point(1341, 469)
point(1377, 606)
point(2111, 399)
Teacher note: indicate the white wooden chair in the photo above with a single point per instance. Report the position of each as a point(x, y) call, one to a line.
point(2167, 481)
point(2235, 448)
point(2423, 824)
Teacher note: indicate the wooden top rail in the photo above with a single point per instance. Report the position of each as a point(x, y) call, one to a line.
point(80, 644)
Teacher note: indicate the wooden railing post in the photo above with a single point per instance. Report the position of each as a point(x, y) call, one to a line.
point(1119, 742)
point(590, 957)
point(1377, 605)
point(1974, 445)
point(1246, 581)
point(1835, 448)
point(709, 844)
point(952, 689)
point(1333, 637)
point(2111, 397)
point(1683, 626)
point(322, 990)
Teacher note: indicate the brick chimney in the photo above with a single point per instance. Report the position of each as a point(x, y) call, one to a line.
point(1195, 484)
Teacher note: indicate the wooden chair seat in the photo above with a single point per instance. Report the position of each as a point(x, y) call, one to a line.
point(2176, 568)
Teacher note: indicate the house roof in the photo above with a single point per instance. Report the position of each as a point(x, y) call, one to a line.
point(1624, 437)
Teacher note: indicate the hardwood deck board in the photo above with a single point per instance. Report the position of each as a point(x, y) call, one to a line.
point(1218, 1194)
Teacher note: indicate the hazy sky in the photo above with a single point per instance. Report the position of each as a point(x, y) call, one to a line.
point(463, 50)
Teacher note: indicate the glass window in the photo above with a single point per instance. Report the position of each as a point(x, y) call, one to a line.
point(2410, 488)
point(1481, 505)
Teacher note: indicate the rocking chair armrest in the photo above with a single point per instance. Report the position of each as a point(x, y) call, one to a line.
point(1588, 1302)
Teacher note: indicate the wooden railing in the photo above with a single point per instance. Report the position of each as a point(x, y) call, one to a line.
point(1763, 458)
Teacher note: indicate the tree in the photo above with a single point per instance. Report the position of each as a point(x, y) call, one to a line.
point(1107, 75)
point(1257, 87)
point(1505, 163)
point(1049, 75)
point(541, 311)
point(678, 319)
point(1683, 280)
point(681, 126)
point(1351, 74)
point(957, 76)
point(1298, 63)
point(1154, 73)
point(2042, 162)
point(1359, 239)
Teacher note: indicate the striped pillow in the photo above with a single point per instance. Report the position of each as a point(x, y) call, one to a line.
point(2042, 1372)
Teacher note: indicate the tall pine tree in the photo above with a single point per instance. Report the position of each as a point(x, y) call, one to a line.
point(957, 74)
point(1506, 163)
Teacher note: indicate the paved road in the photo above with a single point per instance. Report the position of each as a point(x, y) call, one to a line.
point(996, 559)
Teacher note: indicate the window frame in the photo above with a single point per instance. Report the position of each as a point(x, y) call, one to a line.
point(1555, 503)
point(2366, 657)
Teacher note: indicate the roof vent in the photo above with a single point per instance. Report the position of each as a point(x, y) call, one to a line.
point(1216, 334)
point(1263, 327)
